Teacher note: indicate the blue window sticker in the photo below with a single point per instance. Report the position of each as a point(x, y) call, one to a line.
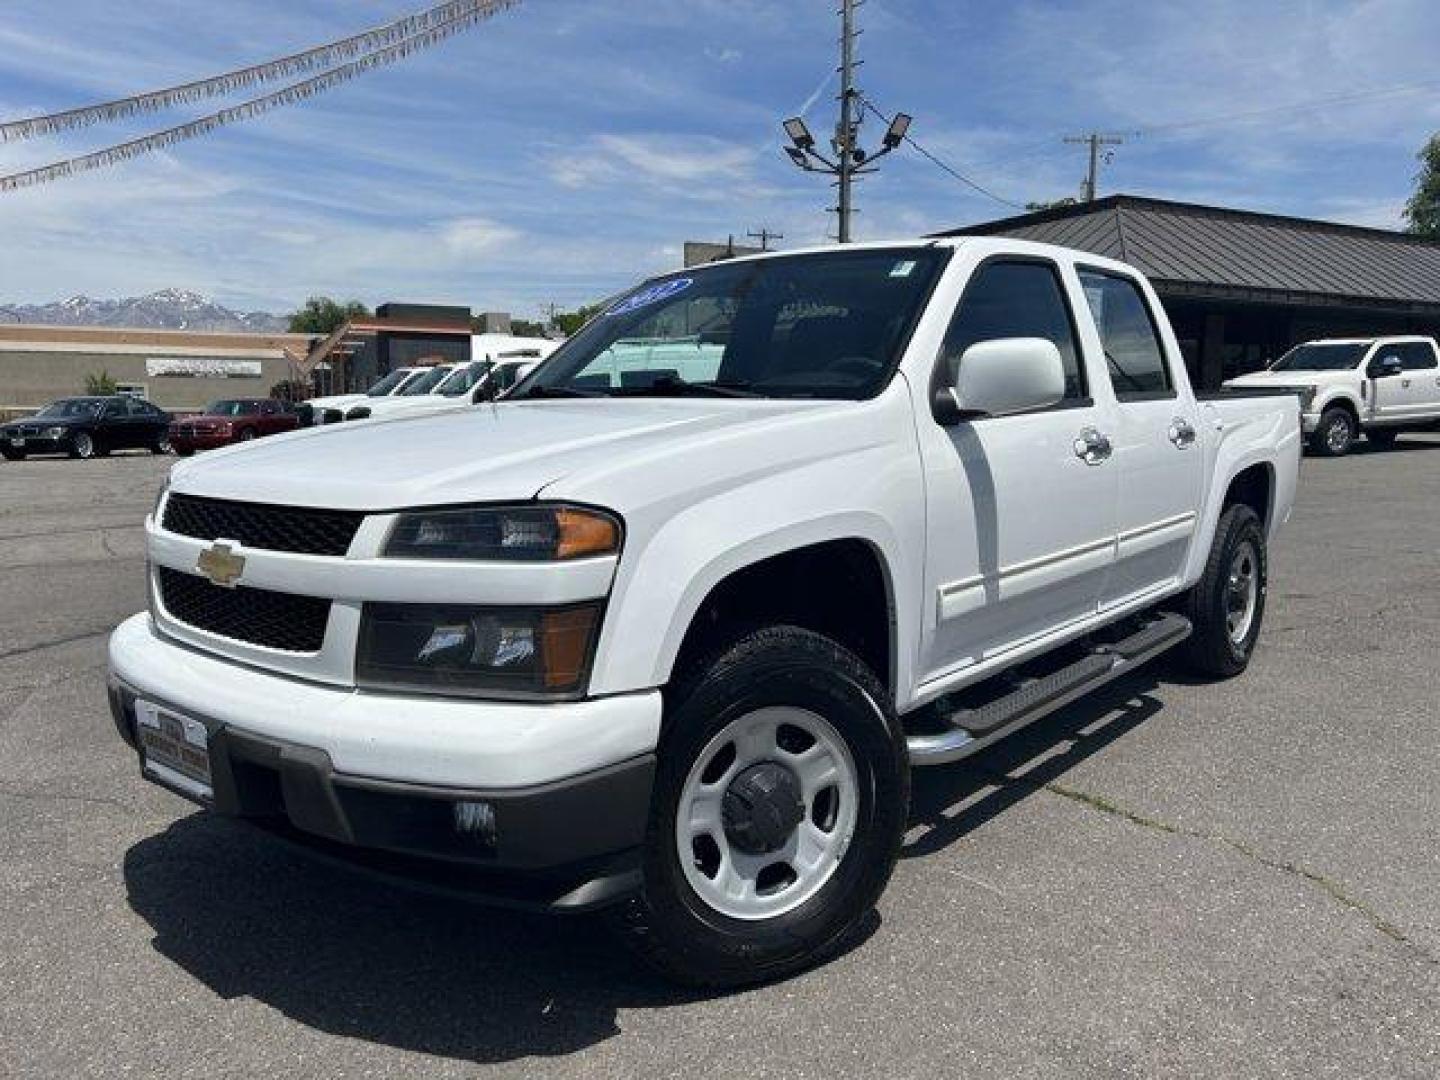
point(653, 295)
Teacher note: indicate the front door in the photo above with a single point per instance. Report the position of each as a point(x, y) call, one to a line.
point(1020, 527)
point(1156, 439)
point(1414, 393)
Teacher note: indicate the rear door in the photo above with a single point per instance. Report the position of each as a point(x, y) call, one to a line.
point(1417, 388)
point(1158, 462)
point(1020, 528)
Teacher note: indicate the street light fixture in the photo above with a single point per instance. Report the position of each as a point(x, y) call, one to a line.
point(895, 134)
point(799, 133)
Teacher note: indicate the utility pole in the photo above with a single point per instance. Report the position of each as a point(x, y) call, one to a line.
point(850, 160)
point(1095, 141)
point(765, 236)
point(845, 133)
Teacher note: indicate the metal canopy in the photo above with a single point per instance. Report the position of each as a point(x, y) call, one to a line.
point(1209, 251)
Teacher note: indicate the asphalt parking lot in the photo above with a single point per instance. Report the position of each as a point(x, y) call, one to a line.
point(1169, 879)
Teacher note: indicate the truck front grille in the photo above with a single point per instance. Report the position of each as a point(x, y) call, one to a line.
point(260, 525)
point(272, 620)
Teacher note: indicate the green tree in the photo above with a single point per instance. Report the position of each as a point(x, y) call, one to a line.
point(322, 315)
point(100, 383)
point(569, 322)
point(1422, 212)
point(526, 328)
point(1056, 205)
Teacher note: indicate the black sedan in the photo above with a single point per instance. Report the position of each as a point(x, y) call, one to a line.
point(85, 427)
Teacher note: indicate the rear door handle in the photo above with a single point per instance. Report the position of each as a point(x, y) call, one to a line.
point(1092, 447)
point(1181, 433)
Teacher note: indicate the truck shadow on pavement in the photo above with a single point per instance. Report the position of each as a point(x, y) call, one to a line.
point(344, 953)
point(250, 916)
point(949, 801)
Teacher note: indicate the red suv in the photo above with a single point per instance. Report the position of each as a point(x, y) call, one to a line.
point(230, 421)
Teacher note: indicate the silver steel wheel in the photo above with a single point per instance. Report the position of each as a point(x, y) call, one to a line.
point(84, 445)
point(1242, 592)
point(1338, 435)
point(767, 813)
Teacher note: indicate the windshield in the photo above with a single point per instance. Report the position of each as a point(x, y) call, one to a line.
point(462, 380)
point(425, 383)
point(389, 382)
point(1322, 357)
point(824, 325)
point(72, 407)
point(230, 408)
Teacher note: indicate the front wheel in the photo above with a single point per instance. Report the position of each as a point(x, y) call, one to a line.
point(82, 446)
point(1335, 434)
point(1227, 605)
point(780, 799)
point(10, 453)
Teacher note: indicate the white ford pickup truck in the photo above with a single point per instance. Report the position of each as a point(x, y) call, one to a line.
point(670, 645)
point(1383, 387)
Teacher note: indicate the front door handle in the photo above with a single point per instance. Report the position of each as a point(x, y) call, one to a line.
point(1092, 447)
point(1405, 384)
point(1182, 433)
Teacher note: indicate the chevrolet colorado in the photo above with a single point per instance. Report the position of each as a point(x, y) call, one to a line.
point(669, 639)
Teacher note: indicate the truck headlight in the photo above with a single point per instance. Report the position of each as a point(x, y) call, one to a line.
point(532, 533)
point(56, 432)
point(530, 652)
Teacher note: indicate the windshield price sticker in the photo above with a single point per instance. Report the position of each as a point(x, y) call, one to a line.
point(653, 295)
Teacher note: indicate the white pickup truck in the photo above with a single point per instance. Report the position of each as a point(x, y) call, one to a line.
point(1380, 386)
point(672, 645)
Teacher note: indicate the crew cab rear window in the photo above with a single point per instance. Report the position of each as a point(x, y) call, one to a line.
point(1133, 354)
point(1416, 355)
point(1009, 300)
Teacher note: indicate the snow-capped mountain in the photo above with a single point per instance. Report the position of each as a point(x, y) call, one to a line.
point(168, 309)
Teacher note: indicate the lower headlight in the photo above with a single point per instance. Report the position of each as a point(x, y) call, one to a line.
point(531, 652)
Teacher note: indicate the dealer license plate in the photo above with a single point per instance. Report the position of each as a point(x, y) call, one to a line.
point(17, 440)
point(174, 749)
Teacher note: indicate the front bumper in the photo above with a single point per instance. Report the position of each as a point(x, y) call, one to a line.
point(194, 440)
point(36, 444)
point(567, 786)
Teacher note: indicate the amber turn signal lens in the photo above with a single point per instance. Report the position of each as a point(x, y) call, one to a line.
point(585, 533)
point(566, 637)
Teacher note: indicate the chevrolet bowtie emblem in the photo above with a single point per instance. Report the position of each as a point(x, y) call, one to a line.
point(220, 564)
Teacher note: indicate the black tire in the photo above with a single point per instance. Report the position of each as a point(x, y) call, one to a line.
point(247, 434)
point(669, 923)
point(1212, 650)
point(161, 445)
point(183, 451)
point(11, 454)
point(1335, 434)
point(1384, 438)
point(84, 445)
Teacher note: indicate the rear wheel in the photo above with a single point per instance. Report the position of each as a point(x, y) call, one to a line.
point(1227, 605)
point(1335, 433)
point(161, 445)
point(1382, 437)
point(780, 799)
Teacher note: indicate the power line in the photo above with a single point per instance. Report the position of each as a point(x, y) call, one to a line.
point(1294, 106)
point(319, 57)
point(942, 165)
point(477, 10)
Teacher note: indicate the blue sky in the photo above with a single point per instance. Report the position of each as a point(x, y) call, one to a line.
point(568, 147)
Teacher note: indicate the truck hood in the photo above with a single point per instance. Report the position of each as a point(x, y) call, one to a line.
point(1294, 378)
point(496, 452)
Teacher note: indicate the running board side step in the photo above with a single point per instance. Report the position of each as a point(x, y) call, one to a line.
point(974, 729)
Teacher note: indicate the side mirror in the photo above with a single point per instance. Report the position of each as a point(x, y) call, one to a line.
point(1385, 367)
point(1001, 377)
